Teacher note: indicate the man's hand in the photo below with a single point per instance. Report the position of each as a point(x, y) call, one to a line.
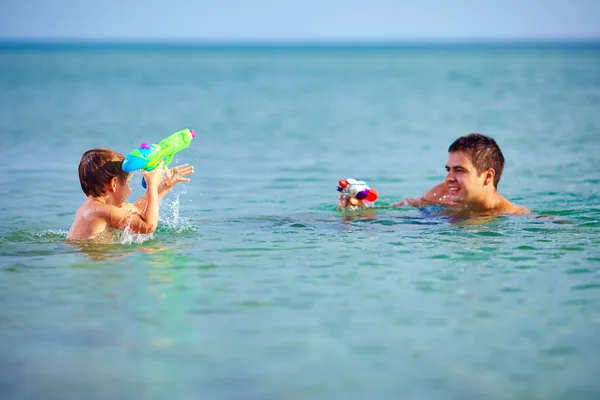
point(346, 201)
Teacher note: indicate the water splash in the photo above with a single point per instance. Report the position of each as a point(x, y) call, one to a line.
point(127, 236)
point(171, 215)
point(170, 220)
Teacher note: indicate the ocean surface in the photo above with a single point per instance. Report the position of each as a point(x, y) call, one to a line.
point(254, 286)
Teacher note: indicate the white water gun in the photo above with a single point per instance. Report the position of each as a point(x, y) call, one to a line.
point(357, 189)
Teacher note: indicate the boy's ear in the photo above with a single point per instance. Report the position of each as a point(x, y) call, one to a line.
point(489, 176)
point(112, 185)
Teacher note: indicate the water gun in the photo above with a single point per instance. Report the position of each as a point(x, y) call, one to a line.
point(357, 189)
point(148, 156)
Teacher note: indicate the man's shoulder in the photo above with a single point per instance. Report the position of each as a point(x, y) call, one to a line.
point(522, 210)
point(511, 208)
point(437, 194)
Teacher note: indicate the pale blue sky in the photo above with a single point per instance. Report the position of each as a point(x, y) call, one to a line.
point(299, 20)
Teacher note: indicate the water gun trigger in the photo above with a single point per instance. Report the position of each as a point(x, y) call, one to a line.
point(168, 159)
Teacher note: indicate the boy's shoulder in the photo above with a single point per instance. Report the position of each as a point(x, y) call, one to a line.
point(92, 219)
point(108, 212)
point(116, 214)
point(92, 209)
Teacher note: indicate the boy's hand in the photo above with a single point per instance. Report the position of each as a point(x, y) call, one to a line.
point(177, 174)
point(153, 177)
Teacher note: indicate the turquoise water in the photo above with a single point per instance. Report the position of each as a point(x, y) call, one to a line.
point(254, 287)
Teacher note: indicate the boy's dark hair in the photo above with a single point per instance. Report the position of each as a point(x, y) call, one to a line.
point(97, 167)
point(484, 152)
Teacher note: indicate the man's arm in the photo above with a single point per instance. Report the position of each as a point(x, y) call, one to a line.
point(346, 202)
point(436, 195)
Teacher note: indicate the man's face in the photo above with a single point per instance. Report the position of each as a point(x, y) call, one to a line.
point(463, 182)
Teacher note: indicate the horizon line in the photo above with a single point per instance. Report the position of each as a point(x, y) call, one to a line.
point(300, 41)
point(294, 45)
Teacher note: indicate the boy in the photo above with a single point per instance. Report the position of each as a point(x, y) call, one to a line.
point(106, 186)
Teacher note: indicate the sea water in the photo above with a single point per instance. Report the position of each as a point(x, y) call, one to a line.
point(254, 286)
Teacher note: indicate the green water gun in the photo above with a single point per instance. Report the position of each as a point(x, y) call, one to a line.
point(148, 156)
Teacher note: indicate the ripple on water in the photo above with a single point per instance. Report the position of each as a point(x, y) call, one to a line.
point(525, 266)
point(489, 234)
point(577, 271)
point(589, 224)
point(526, 247)
point(586, 286)
point(521, 258)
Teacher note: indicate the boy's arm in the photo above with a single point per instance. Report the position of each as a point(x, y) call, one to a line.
point(144, 221)
point(140, 204)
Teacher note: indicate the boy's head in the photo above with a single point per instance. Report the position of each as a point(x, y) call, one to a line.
point(98, 168)
point(483, 151)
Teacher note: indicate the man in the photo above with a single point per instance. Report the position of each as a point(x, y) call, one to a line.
point(475, 164)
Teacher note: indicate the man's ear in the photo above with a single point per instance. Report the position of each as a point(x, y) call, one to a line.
point(489, 175)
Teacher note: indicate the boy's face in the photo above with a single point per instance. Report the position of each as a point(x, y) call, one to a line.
point(463, 182)
point(122, 191)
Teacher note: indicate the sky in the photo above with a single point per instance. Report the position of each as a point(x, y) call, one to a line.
point(304, 20)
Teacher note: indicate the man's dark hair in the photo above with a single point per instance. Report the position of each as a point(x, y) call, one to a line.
point(484, 152)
